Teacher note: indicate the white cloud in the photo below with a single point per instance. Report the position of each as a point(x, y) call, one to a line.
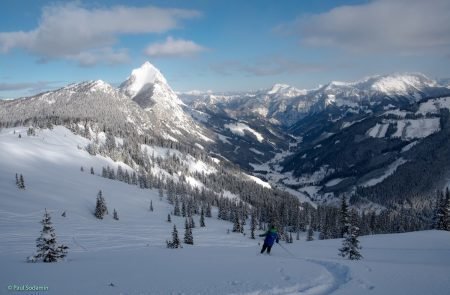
point(174, 47)
point(103, 55)
point(400, 26)
point(88, 35)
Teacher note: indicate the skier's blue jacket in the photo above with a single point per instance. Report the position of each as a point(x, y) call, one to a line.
point(271, 236)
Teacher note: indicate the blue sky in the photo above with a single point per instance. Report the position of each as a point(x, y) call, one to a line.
point(219, 45)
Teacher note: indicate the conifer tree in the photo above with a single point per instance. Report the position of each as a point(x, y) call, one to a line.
point(100, 207)
point(115, 215)
point(350, 244)
point(253, 224)
point(344, 217)
point(120, 174)
point(175, 243)
point(82, 169)
point(236, 224)
point(202, 218)
point(188, 238)
point(17, 180)
point(21, 182)
point(134, 180)
point(48, 249)
point(176, 210)
point(168, 218)
point(191, 222)
point(183, 208)
point(151, 206)
point(63, 214)
point(92, 170)
point(442, 215)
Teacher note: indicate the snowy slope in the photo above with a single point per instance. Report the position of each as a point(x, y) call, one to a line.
point(129, 256)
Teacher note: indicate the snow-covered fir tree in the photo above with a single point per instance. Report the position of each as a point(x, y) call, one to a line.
point(31, 132)
point(175, 243)
point(183, 208)
point(168, 218)
point(134, 180)
point(188, 237)
point(176, 209)
point(236, 224)
point(21, 182)
point(92, 170)
point(202, 218)
point(350, 243)
point(100, 207)
point(115, 215)
point(47, 248)
point(344, 217)
point(253, 224)
point(151, 206)
point(191, 222)
point(442, 214)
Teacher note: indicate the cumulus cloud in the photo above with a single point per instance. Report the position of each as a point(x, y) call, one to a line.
point(74, 32)
point(401, 26)
point(269, 66)
point(174, 47)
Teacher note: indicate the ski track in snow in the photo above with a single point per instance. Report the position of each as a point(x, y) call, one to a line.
point(332, 276)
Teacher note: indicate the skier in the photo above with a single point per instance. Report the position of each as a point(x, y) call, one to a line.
point(271, 236)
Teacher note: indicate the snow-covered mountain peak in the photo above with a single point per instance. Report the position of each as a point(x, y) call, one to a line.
point(401, 83)
point(388, 84)
point(148, 87)
point(284, 90)
point(277, 88)
point(142, 78)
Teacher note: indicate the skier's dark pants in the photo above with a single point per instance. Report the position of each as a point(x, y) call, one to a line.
point(265, 246)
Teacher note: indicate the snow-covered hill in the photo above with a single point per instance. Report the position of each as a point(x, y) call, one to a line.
point(93, 100)
point(128, 256)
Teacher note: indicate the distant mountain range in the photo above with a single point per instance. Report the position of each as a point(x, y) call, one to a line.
point(383, 139)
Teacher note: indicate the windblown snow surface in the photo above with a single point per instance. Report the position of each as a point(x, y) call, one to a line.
point(129, 256)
